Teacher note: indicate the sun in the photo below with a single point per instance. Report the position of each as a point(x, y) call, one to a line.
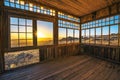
point(40, 35)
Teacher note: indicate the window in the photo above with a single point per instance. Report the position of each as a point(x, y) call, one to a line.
point(21, 58)
point(67, 24)
point(72, 32)
point(69, 17)
point(44, 33)
point(70, 37)
point(83, 36)
point(23, 4)
point(98, 36)
point(87, 36)
point(114, 35)
point(92, 36)
point(105, 35)
point(76, 36)
point(21, 32)
point(62, 36)
point(103, 31)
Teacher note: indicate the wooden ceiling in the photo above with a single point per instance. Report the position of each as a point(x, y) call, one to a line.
point(78, 7)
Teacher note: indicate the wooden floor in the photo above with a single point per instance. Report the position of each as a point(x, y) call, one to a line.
point(68, 68)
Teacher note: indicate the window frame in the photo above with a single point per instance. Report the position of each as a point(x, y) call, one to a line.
point(101, 23)
point(9, 31)
point(52, 32)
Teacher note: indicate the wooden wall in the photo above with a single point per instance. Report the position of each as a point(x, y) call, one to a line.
point(110, 53)
point(108, 11)
point(54, 52)
point(48, 52)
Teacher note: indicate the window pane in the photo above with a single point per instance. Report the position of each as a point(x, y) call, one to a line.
point(92, 36)
point(87, 36)
point(44, 33)
point(14, 39)
point(22, 29)
point(6, 3)
point(26, 5)
point(29, 36)
point(76, 38)
point(29, 29)
point(13, 20)
point(14, 43)
point(70, 36)
point(29, 42)
point(14, 28)
point(62, 36)
point(22, 43)
point(14, 36)
point(99, 31)
point(105, 35)
point(22, 35)
point(114, 35)
point(98, 36)
point(21, 21)
point(83, 36)
point(29, 22)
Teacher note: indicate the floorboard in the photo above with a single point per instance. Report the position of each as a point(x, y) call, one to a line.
point(68, 68)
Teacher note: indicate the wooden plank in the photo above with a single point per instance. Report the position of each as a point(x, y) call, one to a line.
point(2, 25)
point(44, 69)
point(84, 73)
point(79, 7)
point(75, 71)
point(67, 68)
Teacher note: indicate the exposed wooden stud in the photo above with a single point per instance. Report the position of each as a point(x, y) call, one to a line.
point(1, 37)
point(2, 41)
point(119, 32)
point(34, 32)
point(56, 28)
point(80, 33)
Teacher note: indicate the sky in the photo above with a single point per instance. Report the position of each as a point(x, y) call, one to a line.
point(44, 29)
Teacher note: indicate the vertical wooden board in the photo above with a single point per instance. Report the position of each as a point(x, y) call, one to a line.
point(114, 9)
point(119, 7)
point(0, 37)
point(56, 52)
point(46, 53)
point(34, 32)
point(60, 52)
point(64, 53)
point(55, 31)
point(119, 53)
point(46, 50)
point(2, 25)
point(102, 51)
point(102, 13)
point(41, 55)
point(119, 30)
point(51, 52)
point(109, 54)
point(86, 18)
point(113, 54)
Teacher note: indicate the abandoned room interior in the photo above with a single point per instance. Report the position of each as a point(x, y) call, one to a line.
point(59, 39)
